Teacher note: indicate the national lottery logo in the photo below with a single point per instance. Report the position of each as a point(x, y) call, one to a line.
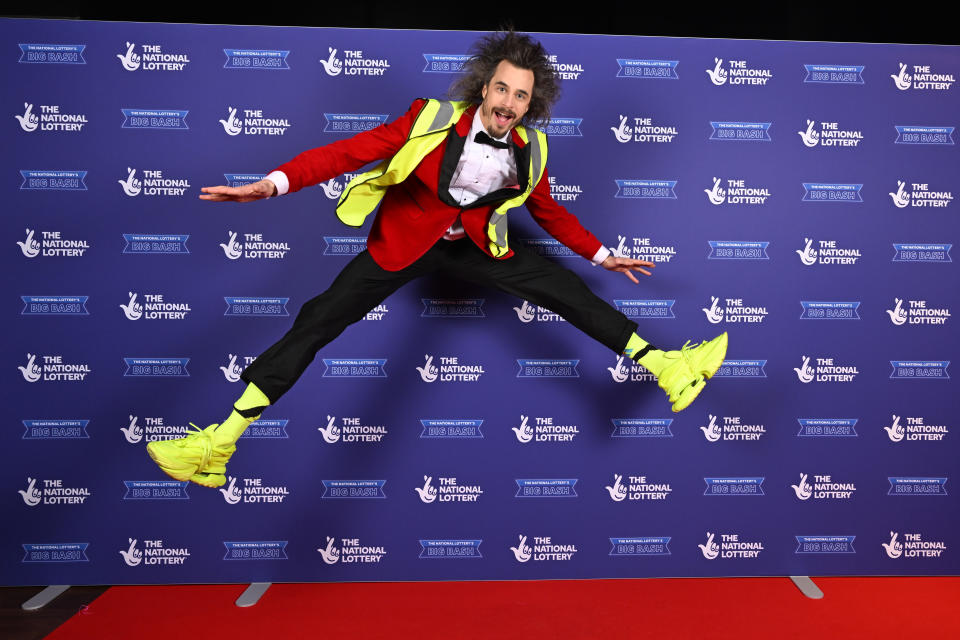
point(253, 247)
point(55, 429)
point(736, 191)
point(52, 492)
point(647, 69)
point(353, 122)
point(50, 118)
point(333, 188)
point(829, 134)
point(448, 489)
point(52, 54)
point(544, 429)
point(643, 129)
point(56, 552)
point(825, 544)
point(915, 429)
point(917, 486)
point(253, 490)
point(52, 180)
point(834, 73)
point(827, 428)
point(154, 552)
point(922, 252)
point(919, 195)
point(51, 244)
point(353, 63)
point(449, 370)
point(445, 62)
point(824, 487)
point(153, 183)
point(917, 312)
point(738, 250)
point(730, 546)
point(626, 369)
point(826, 252)
point(152, 428)
point(544, 549)
point(643, 249)
point(268, 59)
point(826, 370)
point(564, 192)
point(527, 313)
point(646, 189)
point(733, 310)
point(737, 72)
point(637, 488)
point(153, 307)
point(919, 369)
point(921, 77)
point(912, 545)
point(740, 131)
point(253, 123)
point(233, 369)
point(732, 428)
point(565, 70)
point(151, 57)
point(351, 429)
point(351, 551)
point(52, 368)
point(54, 305)
point(924, 134)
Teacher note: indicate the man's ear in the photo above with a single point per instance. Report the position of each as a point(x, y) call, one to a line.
point(483, 92)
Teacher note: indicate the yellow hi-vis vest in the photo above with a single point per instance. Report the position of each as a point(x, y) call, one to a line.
point(364, 193)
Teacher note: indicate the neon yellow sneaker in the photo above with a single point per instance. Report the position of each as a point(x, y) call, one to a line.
point(195, 458)
point(688, 369)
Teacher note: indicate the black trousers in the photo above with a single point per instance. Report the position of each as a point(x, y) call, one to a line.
point(363, 284)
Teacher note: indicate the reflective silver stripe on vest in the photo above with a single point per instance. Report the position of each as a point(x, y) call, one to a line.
point(444, 113)
point(501, 227)
point(535, 158)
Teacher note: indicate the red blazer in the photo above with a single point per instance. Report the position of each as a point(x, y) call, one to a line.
point(416, 213)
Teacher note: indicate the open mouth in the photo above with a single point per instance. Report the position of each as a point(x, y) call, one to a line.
point(502, 117)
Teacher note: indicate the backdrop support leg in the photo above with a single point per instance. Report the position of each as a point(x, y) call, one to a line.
point(807, 587)
point(252, 594)
point(44, 598)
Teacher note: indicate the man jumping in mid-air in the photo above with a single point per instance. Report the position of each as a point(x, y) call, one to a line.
point(450, 172)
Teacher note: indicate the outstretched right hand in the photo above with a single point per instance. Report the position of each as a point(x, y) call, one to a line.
point(247, 193)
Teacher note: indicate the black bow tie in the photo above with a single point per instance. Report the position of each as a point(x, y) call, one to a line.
point(483, 138)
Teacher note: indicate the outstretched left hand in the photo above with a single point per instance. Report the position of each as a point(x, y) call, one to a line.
point(626, 266)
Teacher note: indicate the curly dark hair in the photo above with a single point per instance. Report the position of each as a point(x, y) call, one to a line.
point(521, 51)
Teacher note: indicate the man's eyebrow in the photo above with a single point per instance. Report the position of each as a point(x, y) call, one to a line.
point(506, 86)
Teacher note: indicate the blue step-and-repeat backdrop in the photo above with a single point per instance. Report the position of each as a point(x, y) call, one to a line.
point(798, 195)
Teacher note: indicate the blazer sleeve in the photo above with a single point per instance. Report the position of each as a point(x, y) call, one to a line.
point(329, 161)
point(560, 223)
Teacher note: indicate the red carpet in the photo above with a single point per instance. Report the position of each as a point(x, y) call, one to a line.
point(741, 608)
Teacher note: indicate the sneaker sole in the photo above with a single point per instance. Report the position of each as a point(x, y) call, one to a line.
point(688, 395)
point(211, 480)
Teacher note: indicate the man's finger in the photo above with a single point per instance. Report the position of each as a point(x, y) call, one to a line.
point(631, 276)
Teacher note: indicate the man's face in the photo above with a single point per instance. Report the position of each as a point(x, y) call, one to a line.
point(506, 98)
